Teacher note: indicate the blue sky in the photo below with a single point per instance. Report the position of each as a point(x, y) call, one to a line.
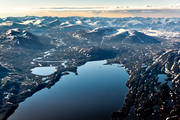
point(54, 3)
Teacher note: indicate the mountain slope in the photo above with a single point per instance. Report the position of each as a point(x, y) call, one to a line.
point(21, 38)
point(134, 37)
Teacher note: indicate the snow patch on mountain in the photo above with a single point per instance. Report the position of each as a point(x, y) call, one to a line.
point(134, 22)
point(163, 34)
point(65, 24)
point(27, 22)
point(118, 31)
point(37, 22)
point(34, 22)
point(78, 22)
point(7, 23)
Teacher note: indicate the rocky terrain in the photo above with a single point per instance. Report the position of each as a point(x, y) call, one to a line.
point(147, 47)
point(150, 98)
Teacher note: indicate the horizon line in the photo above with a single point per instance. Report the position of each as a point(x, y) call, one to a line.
point(90, 12)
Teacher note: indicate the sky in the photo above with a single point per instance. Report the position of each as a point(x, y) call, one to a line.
point(26, 7)
point(82, 3)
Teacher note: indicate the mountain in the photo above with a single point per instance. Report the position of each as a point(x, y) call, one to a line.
point(166, 99)
point(96, 34)
point(134, 37)
point(116, 35)
point(21, 38)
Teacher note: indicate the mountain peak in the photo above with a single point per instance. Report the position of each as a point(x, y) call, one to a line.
point(133, 36)
point(12, 31)
point(20, 38)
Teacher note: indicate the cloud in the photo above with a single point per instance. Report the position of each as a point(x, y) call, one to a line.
point(148, 6)
point(111, 11)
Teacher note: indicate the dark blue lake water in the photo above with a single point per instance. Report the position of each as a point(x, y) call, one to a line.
point(93, 94)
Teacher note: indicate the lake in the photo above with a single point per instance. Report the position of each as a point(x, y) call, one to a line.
point(93, 94)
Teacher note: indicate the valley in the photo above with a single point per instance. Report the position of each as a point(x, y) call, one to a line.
point(146, 47)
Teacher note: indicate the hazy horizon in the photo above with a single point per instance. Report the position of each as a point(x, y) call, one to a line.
point(87, 3)
point(90, 8)
point(156, 13)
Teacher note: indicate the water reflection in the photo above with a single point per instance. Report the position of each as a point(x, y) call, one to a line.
point(93, 94)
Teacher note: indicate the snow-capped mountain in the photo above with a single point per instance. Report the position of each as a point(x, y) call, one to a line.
point(116, 35)
point(96, 34)
point(134, 37)
point(34, 24)
point(20, 38)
